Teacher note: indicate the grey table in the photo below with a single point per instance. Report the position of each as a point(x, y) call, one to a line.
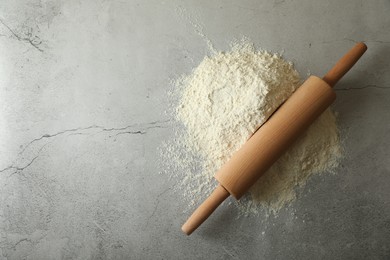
point(82, 87)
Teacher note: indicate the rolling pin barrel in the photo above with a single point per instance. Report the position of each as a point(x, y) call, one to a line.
point(272, 139)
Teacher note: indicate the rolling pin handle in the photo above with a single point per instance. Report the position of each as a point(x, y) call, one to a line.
point(205, 209)
point(345, 64)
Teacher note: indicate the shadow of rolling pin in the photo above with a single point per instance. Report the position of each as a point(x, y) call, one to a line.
point(274, 137)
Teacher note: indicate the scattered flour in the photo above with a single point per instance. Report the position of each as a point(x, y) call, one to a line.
point(220, 104)
point(194, 22)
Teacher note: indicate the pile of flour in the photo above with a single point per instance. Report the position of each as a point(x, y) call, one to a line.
point(221, 103)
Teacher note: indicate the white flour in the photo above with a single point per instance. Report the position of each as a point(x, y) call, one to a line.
point(221, 103)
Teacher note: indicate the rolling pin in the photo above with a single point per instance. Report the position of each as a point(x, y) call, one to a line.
point(274, 137)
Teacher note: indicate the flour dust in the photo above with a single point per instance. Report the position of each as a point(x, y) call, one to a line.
point(217, 108)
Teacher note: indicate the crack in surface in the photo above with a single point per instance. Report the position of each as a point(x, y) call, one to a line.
point(378, 41)
point(98, 226)
point(53, 135)
point(104, 129)
point(156, 204)
point(20, 241)
point(76, 131)
point(139, 131)
point(134, 125)
point(131, 132)
point(364, 87)
point(24, 39)
point(19, 169)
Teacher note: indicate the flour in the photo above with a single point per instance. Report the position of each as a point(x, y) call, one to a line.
point(183, 13)
point(221, 103)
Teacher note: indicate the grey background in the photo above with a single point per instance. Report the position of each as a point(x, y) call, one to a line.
point(83, 86)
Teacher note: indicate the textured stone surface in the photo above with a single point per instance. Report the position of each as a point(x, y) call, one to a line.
point(82, 87)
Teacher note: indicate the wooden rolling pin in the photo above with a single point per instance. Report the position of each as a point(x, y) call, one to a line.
point(273, 138)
